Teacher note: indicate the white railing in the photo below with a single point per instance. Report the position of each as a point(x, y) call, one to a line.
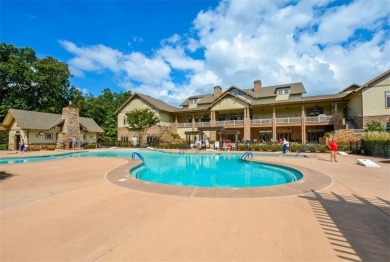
point(288, 120)
point(184, 125)
point(319, 119)
point(266, 121)
point(202, 124)
point(230, 123)
point(357, 131)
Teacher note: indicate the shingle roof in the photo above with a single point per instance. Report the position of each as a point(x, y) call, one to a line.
point(266, 91)
point(159, 104)
point(90, 125)
point(44, 121)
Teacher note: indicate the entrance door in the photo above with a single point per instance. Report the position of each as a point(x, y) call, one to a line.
point(16, 142)
point(345, 112)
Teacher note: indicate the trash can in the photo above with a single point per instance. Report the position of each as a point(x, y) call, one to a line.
point(247, 144)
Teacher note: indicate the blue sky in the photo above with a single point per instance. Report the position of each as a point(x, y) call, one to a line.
point(171, 49)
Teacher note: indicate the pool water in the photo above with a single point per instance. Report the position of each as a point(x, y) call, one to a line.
point(211, 170)
point(201, 170)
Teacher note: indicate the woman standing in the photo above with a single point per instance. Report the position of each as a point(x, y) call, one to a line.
point(333, 150)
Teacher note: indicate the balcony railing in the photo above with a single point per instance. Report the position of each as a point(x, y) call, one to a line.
point(319, 119)
point(182, 125)
point(288, 120)
point(202, 124)
point(230, 123)
point(266, 121)
point(324, 120)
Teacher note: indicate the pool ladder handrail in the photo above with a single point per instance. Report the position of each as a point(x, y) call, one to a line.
point(246, 155)
point(307, 148)
point(134, 154)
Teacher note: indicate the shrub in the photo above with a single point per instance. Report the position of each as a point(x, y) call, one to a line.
point(374, 126)
point(376, 136)
point(3, 146)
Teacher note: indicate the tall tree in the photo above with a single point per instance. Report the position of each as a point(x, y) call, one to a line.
point(140, 120)
point(102, 109)
point(30, 83)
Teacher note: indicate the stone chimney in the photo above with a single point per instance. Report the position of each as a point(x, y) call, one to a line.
point(257, 86)
point(217, 91)
point(71, 126)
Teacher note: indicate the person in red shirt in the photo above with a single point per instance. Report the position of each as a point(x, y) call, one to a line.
point(333, 150)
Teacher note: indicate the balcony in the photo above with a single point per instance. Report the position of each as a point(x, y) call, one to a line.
point(288, 120)
point(281, 121)
point(319, 120)
point(260, 122)
point(184, 125)
point(230, 123)
point(202, 124)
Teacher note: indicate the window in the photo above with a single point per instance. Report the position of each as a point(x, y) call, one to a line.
point(387, 94)
point(49, 136)
point(193, 100)
point(236, 92)
point(265, 136)
point(315, 111)
point(282, 91)
point(124, 120)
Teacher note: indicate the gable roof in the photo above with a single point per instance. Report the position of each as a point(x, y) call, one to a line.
point(245, 100)
point(266, 91)
point(44, 121)
point(387, 73)
point(159, 104)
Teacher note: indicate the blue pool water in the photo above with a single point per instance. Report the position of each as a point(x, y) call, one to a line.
point(202, 170)
point(211, 170)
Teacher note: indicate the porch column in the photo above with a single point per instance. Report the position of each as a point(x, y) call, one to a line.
point(303, 124)
point(213, 134)
point(247, 125)
point(193, 122)
point(274, 137)
point(337, 120)
point(175, 125)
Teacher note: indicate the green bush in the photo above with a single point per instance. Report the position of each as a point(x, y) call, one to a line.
point(3, 146)
point(90, 146)
point(376, 136)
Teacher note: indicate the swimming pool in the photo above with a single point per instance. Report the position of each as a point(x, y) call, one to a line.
point(211, 170)
point(201, 170)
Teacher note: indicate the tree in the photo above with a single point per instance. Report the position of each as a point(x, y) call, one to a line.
point(140, 120)
point(374, 126)
point(30, 83)
point(102, 109)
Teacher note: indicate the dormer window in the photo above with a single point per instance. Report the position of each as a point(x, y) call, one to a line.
point(236, 92)
point(282, 91)
point(193, 100)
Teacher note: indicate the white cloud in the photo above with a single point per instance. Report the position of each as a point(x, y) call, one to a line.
point(325, 44)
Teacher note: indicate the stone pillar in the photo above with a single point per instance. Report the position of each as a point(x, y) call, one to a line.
point(193, 122)
point(174, 126)
point(274, 137)
point(303, 125)
point(213, 134)
point(71, 126)
point(247, 125)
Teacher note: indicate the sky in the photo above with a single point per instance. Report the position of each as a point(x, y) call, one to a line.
point(171, 49)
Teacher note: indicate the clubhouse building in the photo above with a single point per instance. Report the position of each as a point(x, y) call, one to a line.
point(263, 113)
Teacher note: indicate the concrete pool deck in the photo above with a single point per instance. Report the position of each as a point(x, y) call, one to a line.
point(81, 209)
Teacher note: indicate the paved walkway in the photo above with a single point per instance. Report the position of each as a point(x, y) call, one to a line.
point(68, 210)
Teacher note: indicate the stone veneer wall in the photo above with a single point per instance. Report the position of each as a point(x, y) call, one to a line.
point(71, 126)
point(344, 136)
point(381, 119)
point(163, 132)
